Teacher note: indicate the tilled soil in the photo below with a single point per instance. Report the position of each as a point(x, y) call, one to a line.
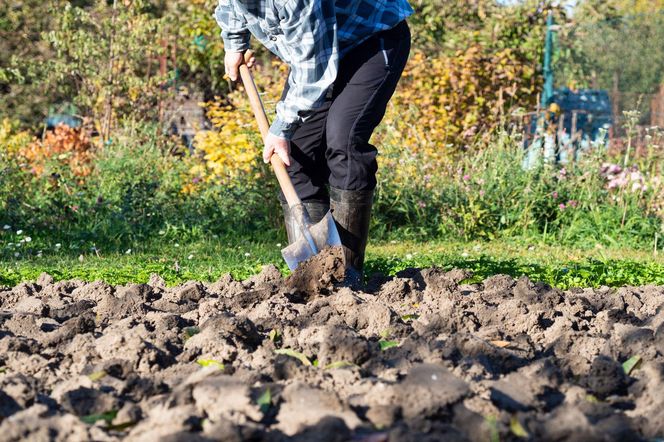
point(418, 357)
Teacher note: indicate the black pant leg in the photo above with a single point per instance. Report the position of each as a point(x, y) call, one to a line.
point(368, 76)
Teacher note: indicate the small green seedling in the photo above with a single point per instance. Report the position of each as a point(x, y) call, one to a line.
point(275, 336)
point(384, 345)
point(264, 401)
point(338, 364)
point(492, 423)
point(120, 427)
point(210, 363)
point(294, 354)
point(97, 375)
point(410, 317)
point(630, 364)
point(517, 429)
point(190, 331)
point(107, 417)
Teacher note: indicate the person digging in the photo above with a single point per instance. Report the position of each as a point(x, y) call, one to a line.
point(345, 58)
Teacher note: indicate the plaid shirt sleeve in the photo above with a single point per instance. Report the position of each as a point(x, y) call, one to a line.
point(233, 27)
point(310, 37)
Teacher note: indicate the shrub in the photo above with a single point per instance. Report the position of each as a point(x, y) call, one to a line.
point(64, 145)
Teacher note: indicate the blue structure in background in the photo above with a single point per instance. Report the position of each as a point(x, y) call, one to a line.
point(572, 121)
point(592, 108)
point(54, 120)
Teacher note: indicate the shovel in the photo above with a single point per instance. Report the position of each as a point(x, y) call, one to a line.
point(315, 237)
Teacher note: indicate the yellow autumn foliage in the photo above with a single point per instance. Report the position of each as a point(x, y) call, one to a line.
point(232, 149)
point(12, 140)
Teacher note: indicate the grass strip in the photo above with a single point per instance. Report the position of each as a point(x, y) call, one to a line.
point(208, 260)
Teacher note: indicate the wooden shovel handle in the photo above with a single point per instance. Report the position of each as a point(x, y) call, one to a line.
point(264, 125)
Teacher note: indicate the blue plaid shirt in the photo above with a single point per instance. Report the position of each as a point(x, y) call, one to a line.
point(311, 36)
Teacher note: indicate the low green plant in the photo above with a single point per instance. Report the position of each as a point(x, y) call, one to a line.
point(211, 363)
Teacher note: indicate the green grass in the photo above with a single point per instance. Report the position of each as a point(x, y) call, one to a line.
point(208, 260)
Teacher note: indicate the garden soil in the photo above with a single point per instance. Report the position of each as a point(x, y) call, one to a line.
point(421, 356)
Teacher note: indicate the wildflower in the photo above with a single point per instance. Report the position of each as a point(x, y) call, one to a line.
point(247, 254)
point(554, 195)
point(19, 232)
point(161, 232)
point(465, 254)
point(409, 256)
point(81, 258)
point(421, 204)
point(190, 257)
point(610, 169)
point(561, 206)
point(27, 239)
point(572, 203)
point(58, 245)
point(562, 174)
point(7, 227)
point(39, 254)
point(16, 254)
point(481, 193)
point(176, 245)
point(278, 244)
point(128, 252)
point(466, 177)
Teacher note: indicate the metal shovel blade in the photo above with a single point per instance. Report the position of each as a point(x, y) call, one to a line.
point(324, 234)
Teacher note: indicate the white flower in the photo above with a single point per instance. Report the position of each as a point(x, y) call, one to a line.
point(464, 254)
point(80, 258)
point(278, 244)
point(16, 255)
point(177, 245)
point(19, 232)
point(409, 256)
point(7, 227)
point(128, 252)
point(190, 257)
point(161, 232)
point(58, 245)
point(28, 239)
point(247, 254)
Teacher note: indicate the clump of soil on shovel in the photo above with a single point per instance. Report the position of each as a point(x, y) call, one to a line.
point(419, 357)
point(319, 273)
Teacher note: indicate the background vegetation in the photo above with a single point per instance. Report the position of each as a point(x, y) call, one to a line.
point(451, 151)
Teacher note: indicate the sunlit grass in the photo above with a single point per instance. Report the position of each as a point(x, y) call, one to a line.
point(207, 260)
